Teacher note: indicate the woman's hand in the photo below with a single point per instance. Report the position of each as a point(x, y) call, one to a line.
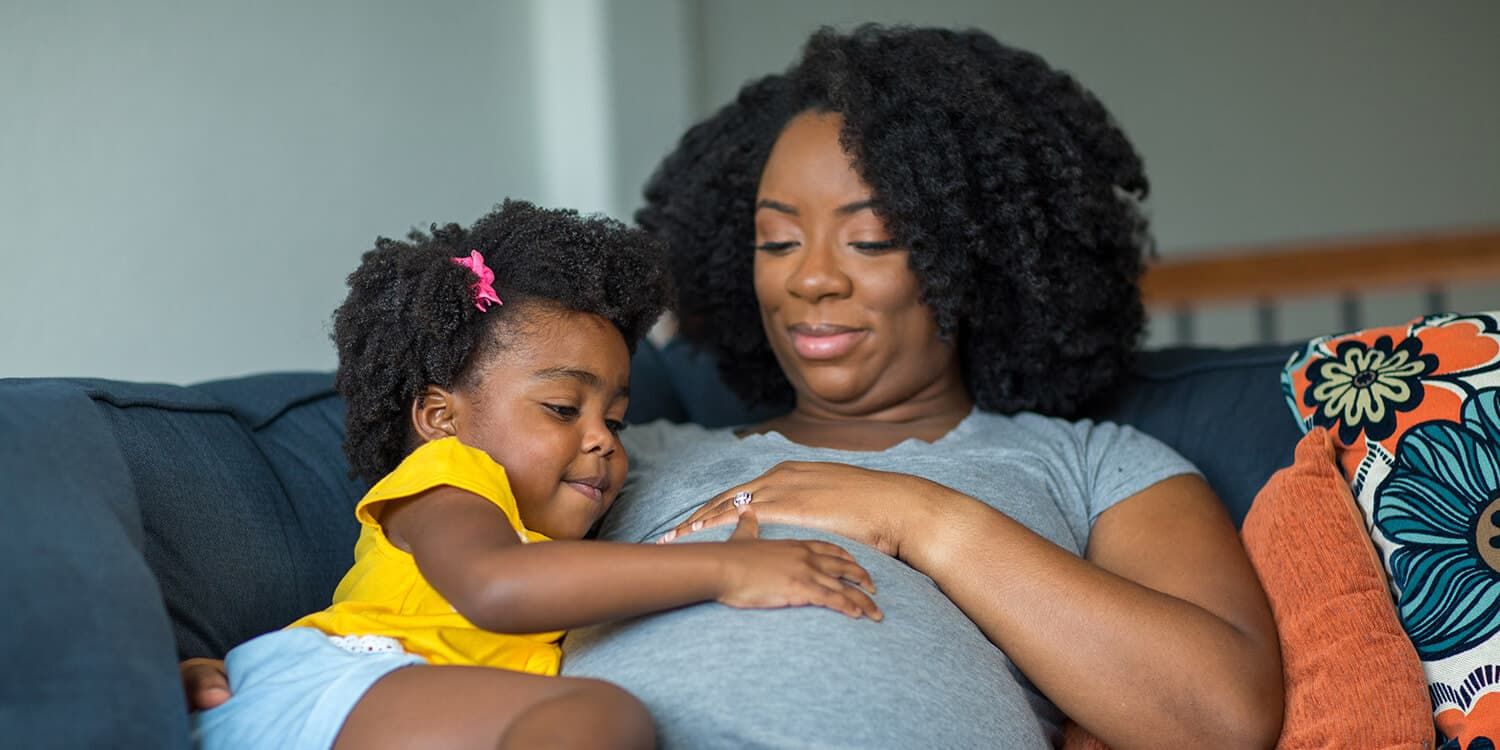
point(204, 683)
point(763, 574)
point(884, 510)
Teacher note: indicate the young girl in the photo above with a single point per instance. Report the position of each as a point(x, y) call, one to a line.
point(486, 373)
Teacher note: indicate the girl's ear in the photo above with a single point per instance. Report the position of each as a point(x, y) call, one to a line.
point(434, 414)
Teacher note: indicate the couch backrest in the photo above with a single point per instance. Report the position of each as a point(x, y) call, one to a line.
point(245, 501)
point(243, 497)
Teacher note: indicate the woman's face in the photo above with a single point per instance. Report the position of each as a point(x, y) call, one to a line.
point(838, 300)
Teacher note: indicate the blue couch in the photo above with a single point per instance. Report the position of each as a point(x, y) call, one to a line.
point(148, 523)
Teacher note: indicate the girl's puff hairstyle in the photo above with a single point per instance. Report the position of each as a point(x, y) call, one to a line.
point(1016, 192)
point(410, 318)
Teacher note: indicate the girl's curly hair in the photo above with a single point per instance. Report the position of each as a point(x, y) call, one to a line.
point(410, 320)
point(1016, 192)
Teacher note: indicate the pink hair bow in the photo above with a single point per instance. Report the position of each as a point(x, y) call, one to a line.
point(484, 290)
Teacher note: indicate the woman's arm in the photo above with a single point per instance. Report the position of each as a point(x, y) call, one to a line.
point(466, 549)
point(1159, 637)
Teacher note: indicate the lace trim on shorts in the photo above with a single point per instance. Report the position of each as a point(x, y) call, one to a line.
point(367, 644)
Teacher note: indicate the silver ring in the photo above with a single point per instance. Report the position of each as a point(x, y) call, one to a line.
point(741, 499)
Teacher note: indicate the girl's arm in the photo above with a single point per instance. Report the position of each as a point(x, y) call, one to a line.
point(466, 549)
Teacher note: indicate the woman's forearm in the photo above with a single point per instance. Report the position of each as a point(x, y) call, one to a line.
point(1139, 667)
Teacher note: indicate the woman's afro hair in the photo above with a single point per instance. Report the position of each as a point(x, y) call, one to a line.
point(1015, 191)
point(410, 319)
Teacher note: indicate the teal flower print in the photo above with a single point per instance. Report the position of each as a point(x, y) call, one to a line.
point(1441, 503)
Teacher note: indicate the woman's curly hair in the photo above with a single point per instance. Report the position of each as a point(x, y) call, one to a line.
point(410, 318)
point(1015, 190)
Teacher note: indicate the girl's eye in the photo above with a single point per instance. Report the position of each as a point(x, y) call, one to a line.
point(563, 411)
point(874, 247)
point(615, 426)
point(775, 247)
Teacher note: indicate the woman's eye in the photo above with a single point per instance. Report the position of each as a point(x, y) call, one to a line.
point(615, 425)
point(563, 411)
point(875, 247)
point(775, 247)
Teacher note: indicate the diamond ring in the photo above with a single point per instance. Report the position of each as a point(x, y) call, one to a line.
point(741, 499)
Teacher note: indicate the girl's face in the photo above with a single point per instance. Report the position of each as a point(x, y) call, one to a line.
point(548, 408)
point(839, 302)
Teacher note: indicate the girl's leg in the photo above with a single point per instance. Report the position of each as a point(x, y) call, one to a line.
point(480, 707)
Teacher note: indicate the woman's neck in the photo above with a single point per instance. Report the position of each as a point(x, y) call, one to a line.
point(925, 416)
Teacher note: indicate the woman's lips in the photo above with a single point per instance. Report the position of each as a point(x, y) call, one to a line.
point(824, 341)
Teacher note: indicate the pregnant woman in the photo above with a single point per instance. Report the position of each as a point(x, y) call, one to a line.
point(925, 246)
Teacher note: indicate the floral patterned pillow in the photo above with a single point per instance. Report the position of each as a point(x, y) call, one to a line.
point(1415, 410)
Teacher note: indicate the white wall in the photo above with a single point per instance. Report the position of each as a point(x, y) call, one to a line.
point(184, 185)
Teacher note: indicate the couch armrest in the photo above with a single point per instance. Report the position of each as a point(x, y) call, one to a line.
point(87, 645)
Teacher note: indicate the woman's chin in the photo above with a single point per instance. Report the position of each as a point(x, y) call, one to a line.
point(841, 389)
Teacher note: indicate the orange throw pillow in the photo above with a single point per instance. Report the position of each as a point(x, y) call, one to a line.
point(1353, 678)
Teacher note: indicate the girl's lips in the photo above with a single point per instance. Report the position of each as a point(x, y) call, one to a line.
point(824, 342)
point(587, 490)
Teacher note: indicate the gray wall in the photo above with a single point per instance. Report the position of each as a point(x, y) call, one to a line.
point(1259, 122)
point(184, 185)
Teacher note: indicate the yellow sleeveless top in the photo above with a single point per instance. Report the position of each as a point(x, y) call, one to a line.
point(384, 594)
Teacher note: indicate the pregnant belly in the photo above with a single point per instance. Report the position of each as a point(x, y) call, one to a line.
point(714, 676)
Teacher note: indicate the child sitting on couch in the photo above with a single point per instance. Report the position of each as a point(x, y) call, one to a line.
point(486, 374)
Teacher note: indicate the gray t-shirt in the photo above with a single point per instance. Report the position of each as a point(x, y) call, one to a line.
point(714, 676)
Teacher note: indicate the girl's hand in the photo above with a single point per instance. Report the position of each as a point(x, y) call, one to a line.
point(763, 574)
point(884, 510)
point(204, 683)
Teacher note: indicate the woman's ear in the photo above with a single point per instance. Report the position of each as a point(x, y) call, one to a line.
point(434, 414)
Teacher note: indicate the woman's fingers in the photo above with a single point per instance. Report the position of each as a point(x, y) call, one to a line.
point(204, 683)
point(720, 518)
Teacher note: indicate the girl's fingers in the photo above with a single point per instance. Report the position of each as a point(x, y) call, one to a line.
point(851, 572)
point(747, 526)
point(828, 548)
point(834, 599)
point(852, 601)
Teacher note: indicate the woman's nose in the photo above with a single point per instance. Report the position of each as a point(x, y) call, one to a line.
point(817, 274)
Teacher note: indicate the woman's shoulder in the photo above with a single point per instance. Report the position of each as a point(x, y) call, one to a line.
point(1040, 431)
point(1024, 427)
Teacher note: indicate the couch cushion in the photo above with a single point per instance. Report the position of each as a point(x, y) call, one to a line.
point(1217, 408)
point(87, 648)
point(247, 514)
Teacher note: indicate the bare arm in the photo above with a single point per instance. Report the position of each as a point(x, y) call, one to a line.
point(1161, 637)
point(467, 551)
